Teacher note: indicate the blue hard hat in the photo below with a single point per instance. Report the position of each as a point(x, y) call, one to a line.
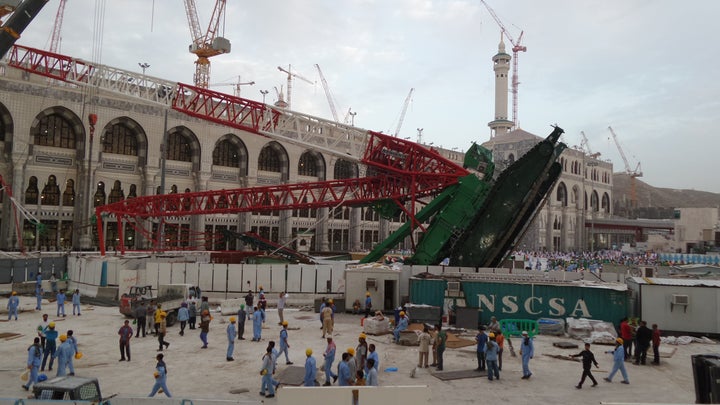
point(42, 377)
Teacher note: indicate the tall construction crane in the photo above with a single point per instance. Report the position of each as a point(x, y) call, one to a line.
point(402, 113)
point(57, 28)
point(205, 44)
point(328, 94)
point(290, 76)
point(637, 172)
point(585, 146)
point(236, 85)
point(516, 48)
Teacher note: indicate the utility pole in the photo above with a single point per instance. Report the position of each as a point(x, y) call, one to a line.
point(143, 66)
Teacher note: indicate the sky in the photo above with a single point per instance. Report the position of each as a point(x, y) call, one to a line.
point(643, 67)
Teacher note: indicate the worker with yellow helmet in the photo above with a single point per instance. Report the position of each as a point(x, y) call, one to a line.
point(13, 305)
point(50, 346)
point(64, 355)
point(368, 304)
point(352, 365)
point(231, 334)
point(361, 351)
point(618, 362)
point(284, 345)
point(491, 357)
point(310, 369)
point(401, 326)
point(328, 318)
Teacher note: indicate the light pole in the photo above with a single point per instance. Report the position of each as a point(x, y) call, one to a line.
point(264, 93)
point(352, 118)
point(143, 66)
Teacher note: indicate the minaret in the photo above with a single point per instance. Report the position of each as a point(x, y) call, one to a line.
point(501, 125)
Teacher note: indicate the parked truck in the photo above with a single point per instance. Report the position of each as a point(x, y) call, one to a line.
point(69, 388)
point(170, 296)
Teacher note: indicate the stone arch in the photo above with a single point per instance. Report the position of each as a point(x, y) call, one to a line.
point(345, 169)
point(234, 143)
point(140, 136)
point(274, 158)
point(75, 123)
point(605, 203)
point(6, 131)
point(575, 197)
point(182, 132)
point(312, 163)
point(561, 194)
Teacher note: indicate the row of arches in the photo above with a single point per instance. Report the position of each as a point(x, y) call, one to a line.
point(593, 173)
point(596, 202)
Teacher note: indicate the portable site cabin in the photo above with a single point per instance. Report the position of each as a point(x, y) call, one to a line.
point(381, 282)
point(678, 305)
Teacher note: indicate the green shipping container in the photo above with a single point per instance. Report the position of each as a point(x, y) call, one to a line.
point(427, 291)
point(531, 301)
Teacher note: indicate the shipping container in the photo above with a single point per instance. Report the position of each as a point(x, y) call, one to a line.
point(528, 300)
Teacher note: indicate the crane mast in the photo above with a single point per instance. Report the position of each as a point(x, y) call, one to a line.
point(585, 146)
point(517, 47)
point(208, 44)
point(290, 76)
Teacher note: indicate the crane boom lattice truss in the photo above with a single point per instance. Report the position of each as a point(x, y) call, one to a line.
point(517, 47)
point(633, 173)
point(403, 111)
point(402, 171)
point(328, 94)
point(57, 28)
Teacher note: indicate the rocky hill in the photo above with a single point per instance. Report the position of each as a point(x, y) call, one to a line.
point(654, 202)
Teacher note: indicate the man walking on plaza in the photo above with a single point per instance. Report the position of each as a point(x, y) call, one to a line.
point(329, 357)
point(588, 359)
point(284, 344)
point(160, 377)
point(241, 317)
point(60, 297)
point(35, 354)
point(267, 388)
point(481, 340)
point(656, 344)
point(76, 302)
point(310, 369)
point(644, 336)
point(491, 357)
point(618, 362)
point(441, 339)
point(281, 306)
point(527, 351)
point(50, 336)
point(258, 319)
point(327, 319)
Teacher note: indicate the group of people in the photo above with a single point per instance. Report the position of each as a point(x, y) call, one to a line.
point(490, 347)
point(357, 366)
point(576, 261)
point(45, 347)
point(13, 304)
point(636, 333)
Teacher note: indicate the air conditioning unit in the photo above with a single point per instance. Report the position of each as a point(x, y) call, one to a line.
point(371, 283)
point(453, 288)
point(680, 299)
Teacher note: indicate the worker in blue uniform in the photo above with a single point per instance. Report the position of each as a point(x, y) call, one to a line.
point(310, 369)
point(13, 305)
point(258, 319)
point(527, 351)
point(231, 333)
point(64, 355)
point(401, 326)
point(50, 336)
point(35, 353)
point(284, 345)
point(160, 377)
point(61, 303)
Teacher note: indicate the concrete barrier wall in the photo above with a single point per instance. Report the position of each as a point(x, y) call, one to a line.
point(401, 395)
point(131, 401)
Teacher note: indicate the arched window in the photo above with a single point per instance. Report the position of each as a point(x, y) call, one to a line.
point(121, 140)
point(594, 203)
point(561, 194)
point(133, 191)
point(69, 194)
point(116, 194)
point(606, 203)
point(178, 147)
point(269, 160)
point(307, 165)
point(226, 153)
point(54, 130)
point(51, 192)
point(344, 169)
point(511, 159)
point(99, 198)
point(32, 192)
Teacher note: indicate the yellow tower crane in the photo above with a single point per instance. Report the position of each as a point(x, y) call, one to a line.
point(205, 44)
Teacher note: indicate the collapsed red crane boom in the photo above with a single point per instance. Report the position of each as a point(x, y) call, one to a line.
point(398, 169)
